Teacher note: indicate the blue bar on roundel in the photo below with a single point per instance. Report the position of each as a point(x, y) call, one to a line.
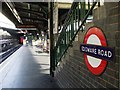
point(101, 52)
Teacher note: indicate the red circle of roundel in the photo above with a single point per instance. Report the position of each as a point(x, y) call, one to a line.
point(98, 70)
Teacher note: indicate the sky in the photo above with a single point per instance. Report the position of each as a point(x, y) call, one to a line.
point(5, 22)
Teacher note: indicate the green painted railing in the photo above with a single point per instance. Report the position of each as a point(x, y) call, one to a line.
point(76, 18)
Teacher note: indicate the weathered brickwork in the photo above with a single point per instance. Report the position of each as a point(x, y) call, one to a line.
point(72, 71)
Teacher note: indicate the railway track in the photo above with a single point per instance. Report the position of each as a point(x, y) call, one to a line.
point(6, 54)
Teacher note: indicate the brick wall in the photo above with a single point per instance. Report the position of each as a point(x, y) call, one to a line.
point(72, 71)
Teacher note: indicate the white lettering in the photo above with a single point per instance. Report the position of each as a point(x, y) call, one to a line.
point(109, 54)
point(83, 48)
point(102, 52)
point(95, 51)
point(90, 50)
point(105, 54)
point(99, 52)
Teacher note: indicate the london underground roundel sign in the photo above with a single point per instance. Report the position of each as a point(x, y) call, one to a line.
point(94, 37)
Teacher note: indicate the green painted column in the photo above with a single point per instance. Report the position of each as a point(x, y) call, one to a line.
point(52, 62)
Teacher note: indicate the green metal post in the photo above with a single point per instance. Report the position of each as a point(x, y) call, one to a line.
point(0, 8)
point(72, 25)
point(88, 5)
point(65, 38)
point(67, 35)
point(78, 13)
point(52, 61)
point(99, 3)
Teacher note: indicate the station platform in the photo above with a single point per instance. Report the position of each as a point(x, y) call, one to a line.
point(28, 67)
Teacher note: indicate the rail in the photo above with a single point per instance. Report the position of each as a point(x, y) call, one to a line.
point(6, 54)
point(77, 16)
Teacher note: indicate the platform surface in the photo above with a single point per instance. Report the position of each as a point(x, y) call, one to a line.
point(28, 67)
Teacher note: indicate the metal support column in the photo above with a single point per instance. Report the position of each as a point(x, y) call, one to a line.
point(0, 6)
point(52, 62)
